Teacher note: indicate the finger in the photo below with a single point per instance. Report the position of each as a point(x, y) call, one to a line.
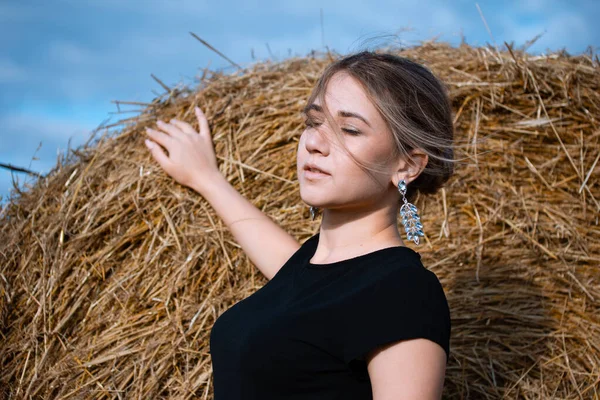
point(157, 153)
point(184, 126)
point(170, 129)
point(202, 121)
point(159, 137)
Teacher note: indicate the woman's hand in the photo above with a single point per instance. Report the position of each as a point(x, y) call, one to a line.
point(191, 160)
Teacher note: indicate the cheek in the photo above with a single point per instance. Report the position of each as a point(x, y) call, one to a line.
point(348, 175)
point(377, 173)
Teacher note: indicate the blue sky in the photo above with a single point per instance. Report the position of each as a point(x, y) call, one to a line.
point(62, 62)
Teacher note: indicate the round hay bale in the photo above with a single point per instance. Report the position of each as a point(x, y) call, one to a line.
point(112, 274)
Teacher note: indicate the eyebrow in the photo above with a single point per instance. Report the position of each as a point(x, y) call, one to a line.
point(341, 113)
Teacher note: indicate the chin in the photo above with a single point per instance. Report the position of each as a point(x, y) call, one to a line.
point(312, 201)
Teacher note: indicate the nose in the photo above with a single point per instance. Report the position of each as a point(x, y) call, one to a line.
point(316, 141)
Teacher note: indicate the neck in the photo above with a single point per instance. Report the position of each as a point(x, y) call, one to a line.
point(358, 228)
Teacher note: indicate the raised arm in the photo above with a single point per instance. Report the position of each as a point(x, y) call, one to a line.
point(191, 161)
point(263, 240)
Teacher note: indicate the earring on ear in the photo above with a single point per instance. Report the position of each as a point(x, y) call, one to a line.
point(410, 218)
point(313, 212)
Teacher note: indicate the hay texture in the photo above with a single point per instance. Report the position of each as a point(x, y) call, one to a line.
point(112, 274)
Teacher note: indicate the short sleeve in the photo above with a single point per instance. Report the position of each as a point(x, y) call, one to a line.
point(407, 302)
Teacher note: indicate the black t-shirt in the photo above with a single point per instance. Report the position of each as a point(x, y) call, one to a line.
point(305, 333)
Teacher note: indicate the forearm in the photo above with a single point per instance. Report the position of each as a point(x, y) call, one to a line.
point(267, 245)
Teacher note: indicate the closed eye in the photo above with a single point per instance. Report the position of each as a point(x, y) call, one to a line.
point(351, 131)
point(312, 124)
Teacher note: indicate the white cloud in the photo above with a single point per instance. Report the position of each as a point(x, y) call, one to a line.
point(20, 142)
point(42, 127)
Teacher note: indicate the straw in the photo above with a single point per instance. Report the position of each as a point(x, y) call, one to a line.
point(112, 274)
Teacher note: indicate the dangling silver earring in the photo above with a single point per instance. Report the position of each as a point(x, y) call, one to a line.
point(313, 212)
point(410, 218)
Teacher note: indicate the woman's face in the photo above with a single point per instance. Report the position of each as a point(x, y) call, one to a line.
point(346, 185)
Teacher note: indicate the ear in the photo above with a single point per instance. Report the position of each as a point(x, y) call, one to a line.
point(410, 169)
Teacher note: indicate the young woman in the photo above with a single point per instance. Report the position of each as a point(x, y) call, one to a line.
point(351, 313)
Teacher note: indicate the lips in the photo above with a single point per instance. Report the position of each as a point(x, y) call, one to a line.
point(313, 168)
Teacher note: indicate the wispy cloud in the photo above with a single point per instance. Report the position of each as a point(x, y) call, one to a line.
point(21, 139)
point(41, 127)
point(23, 134)
point(568, 29)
